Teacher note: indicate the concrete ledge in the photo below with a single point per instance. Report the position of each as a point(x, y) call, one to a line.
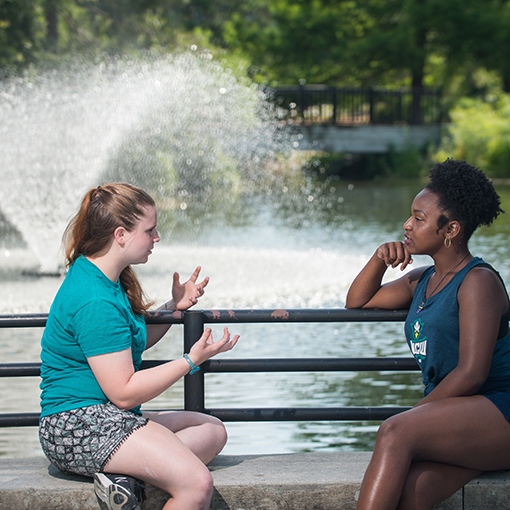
point(300, 481)
point(367, 138)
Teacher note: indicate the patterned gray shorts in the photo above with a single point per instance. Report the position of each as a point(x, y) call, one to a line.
point(83, 440)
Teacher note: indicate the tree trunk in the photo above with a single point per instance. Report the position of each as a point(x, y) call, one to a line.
point(417, 88)
point(51, 13)
point(506, 81)
point(418, 67)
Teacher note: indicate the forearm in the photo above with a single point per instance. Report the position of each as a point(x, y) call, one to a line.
point(127, 388)
point(144, 385)
point(366, 284)
point(155, 332)
point(457, 383)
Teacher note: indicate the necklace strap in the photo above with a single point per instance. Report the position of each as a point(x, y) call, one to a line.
point(425, 299)
point(444, 277)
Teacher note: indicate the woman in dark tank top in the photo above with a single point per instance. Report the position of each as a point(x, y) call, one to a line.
point(457, 330)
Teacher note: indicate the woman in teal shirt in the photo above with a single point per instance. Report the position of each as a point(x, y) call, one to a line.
point(91, 420)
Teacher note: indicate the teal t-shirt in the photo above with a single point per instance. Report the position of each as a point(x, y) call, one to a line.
point(90, 315)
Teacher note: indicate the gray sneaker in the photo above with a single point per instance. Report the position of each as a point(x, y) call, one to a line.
point(118, 492)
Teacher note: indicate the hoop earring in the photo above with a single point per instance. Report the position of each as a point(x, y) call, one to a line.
point(447, 242)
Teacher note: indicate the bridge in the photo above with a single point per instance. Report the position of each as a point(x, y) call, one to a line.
point(360, 120)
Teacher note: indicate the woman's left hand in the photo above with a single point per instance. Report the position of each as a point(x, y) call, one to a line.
point(205, 347)
point(186, 294)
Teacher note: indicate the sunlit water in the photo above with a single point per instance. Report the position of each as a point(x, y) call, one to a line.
point(283, 256)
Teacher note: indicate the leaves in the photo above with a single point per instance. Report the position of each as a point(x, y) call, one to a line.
point(341, 42)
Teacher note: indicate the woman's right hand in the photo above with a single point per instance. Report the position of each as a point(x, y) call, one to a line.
point(367, 290)
point(393, 254)
point(205, 347)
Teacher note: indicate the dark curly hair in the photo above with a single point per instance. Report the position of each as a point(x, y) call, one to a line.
point(465, 194)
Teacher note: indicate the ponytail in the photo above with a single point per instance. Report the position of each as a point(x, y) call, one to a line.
point(102, 210)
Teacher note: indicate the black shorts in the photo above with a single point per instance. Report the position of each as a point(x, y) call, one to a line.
point(498, 392)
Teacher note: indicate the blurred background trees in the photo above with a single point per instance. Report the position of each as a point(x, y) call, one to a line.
point(342, 42)
point(460, 46)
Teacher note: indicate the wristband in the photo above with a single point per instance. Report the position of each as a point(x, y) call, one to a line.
point(193, 367)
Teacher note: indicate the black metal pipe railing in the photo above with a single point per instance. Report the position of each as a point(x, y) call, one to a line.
point(323, 104)
point(194, 385)
point(194, 391)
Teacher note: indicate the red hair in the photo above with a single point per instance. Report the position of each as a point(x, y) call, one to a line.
point(102, 210)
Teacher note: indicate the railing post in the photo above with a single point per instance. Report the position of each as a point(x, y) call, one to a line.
point(371, 105)
point(194, 398)
point(303, 102)
point(400, 111)
point(334, 98)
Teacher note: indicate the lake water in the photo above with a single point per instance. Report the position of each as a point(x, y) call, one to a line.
point(277, 253)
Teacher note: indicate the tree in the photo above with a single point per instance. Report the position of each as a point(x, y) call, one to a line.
point(306, 39)
point(371, 41)
point(340, 42)
point(19, 31)
point(491, 48)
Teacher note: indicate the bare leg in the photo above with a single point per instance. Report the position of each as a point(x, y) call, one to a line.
point(467, 432)
point(429, 483)
point(204, 435)
point(170, 452)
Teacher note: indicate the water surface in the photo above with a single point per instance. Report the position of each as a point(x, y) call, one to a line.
point(286, 253)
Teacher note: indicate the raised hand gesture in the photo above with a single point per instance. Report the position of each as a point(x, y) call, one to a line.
point(206, 347)
point(185, 295)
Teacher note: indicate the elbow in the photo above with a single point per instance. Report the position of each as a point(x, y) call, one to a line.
point(355, 300)
point(351, 303)
point(122, 393)
point(125, 406)
point(470, 381)
point(476, 384)
point(124, 403)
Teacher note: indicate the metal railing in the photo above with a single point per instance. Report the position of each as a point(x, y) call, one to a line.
point(194, 385)
point(325, 105)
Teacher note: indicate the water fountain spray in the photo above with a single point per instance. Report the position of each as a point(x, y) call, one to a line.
point(183, 127)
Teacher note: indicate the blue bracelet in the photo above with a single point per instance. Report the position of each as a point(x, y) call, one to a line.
point(193, 367)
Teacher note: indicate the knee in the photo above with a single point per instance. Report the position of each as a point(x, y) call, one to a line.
point(193, 491)
point(394, 431)
point(389, 429)
point(201, 488)
point(222, 436)
point(217, 434)
point(204, 484)
point(397, 427)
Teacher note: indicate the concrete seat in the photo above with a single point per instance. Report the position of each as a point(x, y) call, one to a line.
point(297, 481)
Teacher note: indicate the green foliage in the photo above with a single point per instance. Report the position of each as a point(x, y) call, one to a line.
point(479, 132)
point(362, 42)
point(289, 42)
point(21, 26)
point(408, 163)
point(458, 45)
point(341, 42)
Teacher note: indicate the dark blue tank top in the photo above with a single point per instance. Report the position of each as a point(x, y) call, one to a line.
point(432, 332)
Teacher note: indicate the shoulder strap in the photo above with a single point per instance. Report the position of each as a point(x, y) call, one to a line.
point(505, 318)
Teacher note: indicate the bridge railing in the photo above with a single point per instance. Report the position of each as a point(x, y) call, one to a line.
point(194, 385)
point(321, 104)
